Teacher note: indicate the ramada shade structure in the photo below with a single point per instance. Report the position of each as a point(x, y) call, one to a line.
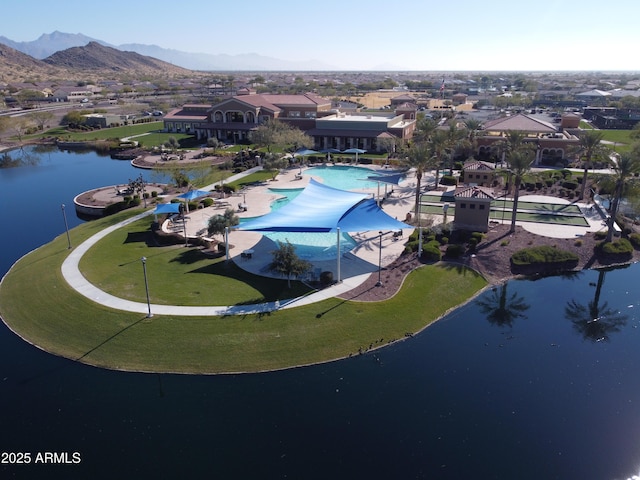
point(167, 208)
point(320, 208)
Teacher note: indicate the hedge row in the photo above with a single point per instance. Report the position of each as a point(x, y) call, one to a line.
point(543, 255)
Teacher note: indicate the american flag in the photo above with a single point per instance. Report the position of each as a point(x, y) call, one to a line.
point(442, 86)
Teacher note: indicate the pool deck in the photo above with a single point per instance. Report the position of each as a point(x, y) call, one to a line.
point(362, 260)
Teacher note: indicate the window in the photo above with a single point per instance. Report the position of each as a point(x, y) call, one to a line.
point(481, 207)
point(463, 205)
point(472, 206)
point(294, 114)
point(310, 114)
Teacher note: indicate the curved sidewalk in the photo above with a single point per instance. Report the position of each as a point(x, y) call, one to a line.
point(73, 276)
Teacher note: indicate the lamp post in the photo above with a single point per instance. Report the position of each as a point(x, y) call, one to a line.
point(379, 283)
point(66, 226)
point(146, 286)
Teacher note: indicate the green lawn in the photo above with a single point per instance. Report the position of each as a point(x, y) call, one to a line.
point(177, 275)
point(621, 139)
point(104, 133)
point(38, 305)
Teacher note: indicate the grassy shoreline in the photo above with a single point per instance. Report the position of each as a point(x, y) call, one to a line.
point(38, 305)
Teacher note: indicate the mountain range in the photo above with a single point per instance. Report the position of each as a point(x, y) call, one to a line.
point(48, 44)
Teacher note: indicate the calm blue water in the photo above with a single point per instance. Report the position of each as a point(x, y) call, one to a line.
point(544, 393)
point(343, 177)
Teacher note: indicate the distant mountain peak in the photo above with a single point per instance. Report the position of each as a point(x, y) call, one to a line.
point(50, 43)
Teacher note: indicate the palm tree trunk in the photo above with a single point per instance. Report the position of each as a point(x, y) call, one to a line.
point(514, 211)
point(614, 210)
point(584, 180)
point(416, 210)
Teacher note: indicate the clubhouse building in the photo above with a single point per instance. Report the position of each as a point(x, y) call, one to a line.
point(233, 119)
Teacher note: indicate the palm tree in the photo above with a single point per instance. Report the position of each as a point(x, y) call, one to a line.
point(624, 168)
point(503, 309)
point(513, 141)
point(472, 126)
point(591, 148)
point(456, 140)
point(419, 157)
point(519, 164)
point(438, 147)
point(424, 129)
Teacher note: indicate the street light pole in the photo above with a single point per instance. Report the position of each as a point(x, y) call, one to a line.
point(66, 226)
point(379, 283)
point(146, 286)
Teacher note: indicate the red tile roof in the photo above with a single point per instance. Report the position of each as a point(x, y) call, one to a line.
point(519, 122)
point(474, 192)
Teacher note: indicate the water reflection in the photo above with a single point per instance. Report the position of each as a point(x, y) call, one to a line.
point(19, 158)
point(501, 308)
point(595, 321)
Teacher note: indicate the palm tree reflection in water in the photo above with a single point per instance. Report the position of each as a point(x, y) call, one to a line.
point(503, 309)
point(594, 321)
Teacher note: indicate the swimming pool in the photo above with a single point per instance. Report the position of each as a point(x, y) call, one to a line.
point(343, 177)
point(309, 246)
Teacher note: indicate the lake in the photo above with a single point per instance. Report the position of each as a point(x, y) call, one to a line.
point(519, 383)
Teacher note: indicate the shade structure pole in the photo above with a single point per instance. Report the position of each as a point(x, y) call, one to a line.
point(184, 226)
point(379, 282)
point(338, 250)
point(226, 242)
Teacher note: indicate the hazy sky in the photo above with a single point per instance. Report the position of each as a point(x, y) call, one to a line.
point(359, 34)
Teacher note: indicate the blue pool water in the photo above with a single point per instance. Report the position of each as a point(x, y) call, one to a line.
point(310, 246)
point(343, 177)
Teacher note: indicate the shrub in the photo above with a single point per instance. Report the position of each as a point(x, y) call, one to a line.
point(454, 250)
point(431, 252)
point(479, 236)
point(601, 235)
point(621, 247)
point(543, 255)
point(634, 238)
point(444, 240)
point(472, 243)
point(207, 202)
point(154, 194)
point(504, 243)
point(578, 243)
point(570, 185)
point(448, 180)
point(326, 278)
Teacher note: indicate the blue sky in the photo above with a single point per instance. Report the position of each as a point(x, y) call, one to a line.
point(359, 34)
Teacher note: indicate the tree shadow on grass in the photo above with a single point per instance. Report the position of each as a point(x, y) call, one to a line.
point(271, 289)
point(139, 237)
